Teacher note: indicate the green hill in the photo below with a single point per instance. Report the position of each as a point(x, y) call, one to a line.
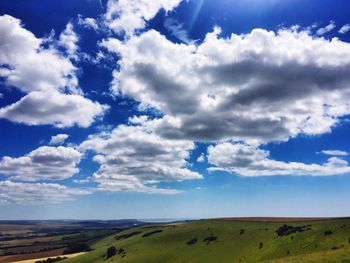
point(227, 241)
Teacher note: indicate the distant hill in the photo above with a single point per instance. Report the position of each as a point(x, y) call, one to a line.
point(228, 240)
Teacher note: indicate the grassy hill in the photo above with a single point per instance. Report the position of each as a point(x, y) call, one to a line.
point(228, 241)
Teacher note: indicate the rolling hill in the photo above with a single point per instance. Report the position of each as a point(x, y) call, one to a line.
point(254, 240)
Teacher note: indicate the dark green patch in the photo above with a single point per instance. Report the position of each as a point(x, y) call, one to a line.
point(209, 239)
point(125, 236)
point(111, 252)
point(192, 242)
point(152, 233)
point(328, 232)
point(286, 230)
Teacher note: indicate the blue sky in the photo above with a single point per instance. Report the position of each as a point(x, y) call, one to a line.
point(174, 109)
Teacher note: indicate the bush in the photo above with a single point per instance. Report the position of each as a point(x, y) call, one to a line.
point(209, 239)
point(261, 245)
point(111, 251)
point(51, 260)
point(125, 236)
point(328, 232)
point(287, 230)
point(76, 248)
point(241, 232)
point(192, 242)
point(152, 233)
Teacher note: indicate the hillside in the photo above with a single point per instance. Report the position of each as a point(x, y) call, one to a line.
point(228, 241)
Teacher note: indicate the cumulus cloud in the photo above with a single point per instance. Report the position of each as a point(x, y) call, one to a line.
point(58, 139)
point(45, 75)
point(247, 160)
point(257, 87)
point(36, 193)
point(29, 66)
point(69, 39)
point(44, 163)
point(335, 152)
point(133, 158)
point(129, 15)
point(54, 108)
point(201, 158)
point(344, 29)
point(88, 22)
point(323, 30)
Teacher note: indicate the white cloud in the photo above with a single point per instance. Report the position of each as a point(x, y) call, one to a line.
point(36, 193)
point(31, 67)
point(82, 181)
point(88, 22)
point(129, 15)
point(54, 108)
point(44, 163)
point(335, 152)
point(201, 158)
point(58, 139)
point(45, 75)
point(323, 30)
point(69, 39)
point(258, 87)
point(344, 29)
point(247, 160)
point(133, 158)
point(177, 30)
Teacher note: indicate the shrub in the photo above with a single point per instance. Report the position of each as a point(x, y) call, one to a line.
point(192, 242)
point(51, 260)
point(335, 248)
point(152, 233)
point(209, 239)
point(287, 230)
point(76, 248)
point(241, 232)
point(328, 232)
point(111, 251)
point(261, 245)
point(125, 236)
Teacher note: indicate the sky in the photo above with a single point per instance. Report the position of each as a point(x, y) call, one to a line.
point(174, 109)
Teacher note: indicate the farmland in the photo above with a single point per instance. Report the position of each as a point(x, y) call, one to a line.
point(22, 240)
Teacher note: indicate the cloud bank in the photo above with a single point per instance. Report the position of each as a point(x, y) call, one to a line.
point(36, 193)
point(258, 87)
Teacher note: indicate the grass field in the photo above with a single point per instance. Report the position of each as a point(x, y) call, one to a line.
point(228, 241)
